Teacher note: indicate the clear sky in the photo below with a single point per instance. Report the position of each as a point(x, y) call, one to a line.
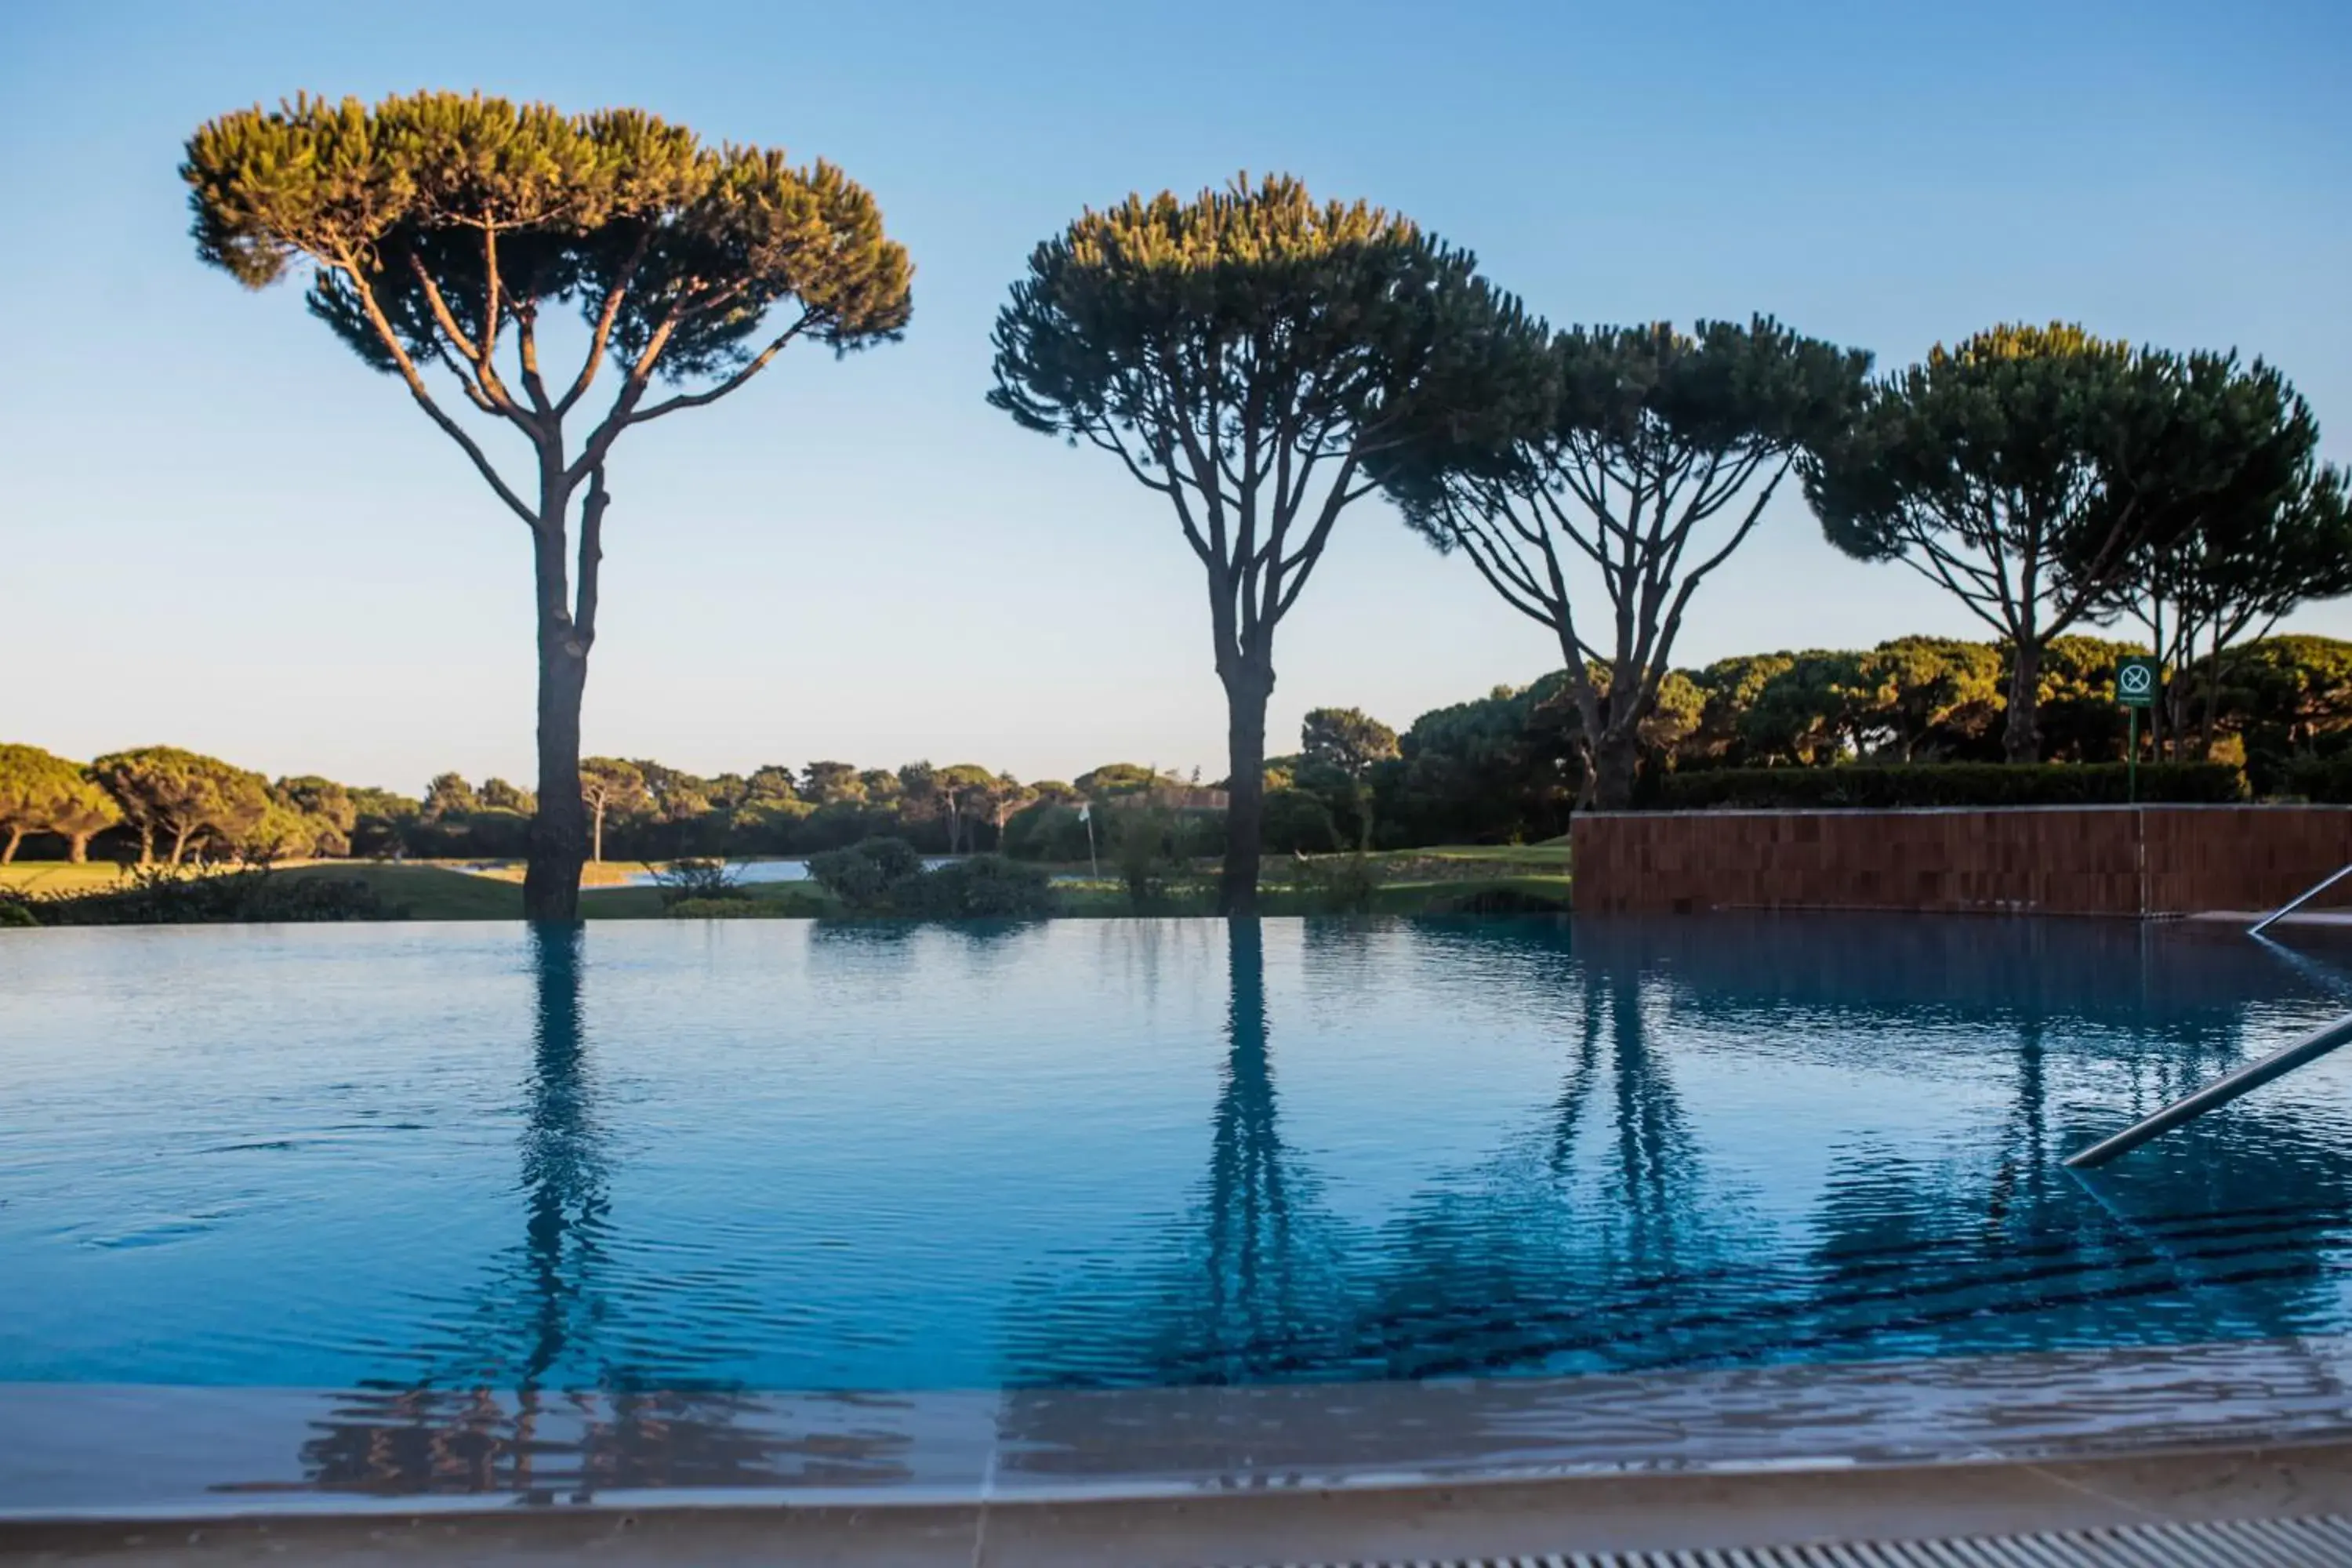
point(218, 529)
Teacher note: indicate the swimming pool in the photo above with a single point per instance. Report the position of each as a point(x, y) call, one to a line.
point(703, 1161)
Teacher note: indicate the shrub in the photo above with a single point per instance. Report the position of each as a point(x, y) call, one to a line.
point(1048, 830)
point(15, 911)
point(982, 887)
point(861, 876)
point(2324, 779)
point(157, 897)
point(698, 881)
point(1298, 822)
point(738, 906)
point(1876, 785)
point(1502, 902)
point(1148, 854)
point(1336, 884)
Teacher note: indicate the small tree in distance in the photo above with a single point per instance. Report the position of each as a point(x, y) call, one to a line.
point(610, 786)
point(1245, 355)
point(438, 228)
point(43, 793)
point(1350, 740)
point(182, 796)
point(449, 795)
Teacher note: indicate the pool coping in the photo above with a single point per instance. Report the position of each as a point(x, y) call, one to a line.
point(101, 1453)
point(1499, 1519)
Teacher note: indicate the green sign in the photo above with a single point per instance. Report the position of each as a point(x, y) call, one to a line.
point(2138, 680)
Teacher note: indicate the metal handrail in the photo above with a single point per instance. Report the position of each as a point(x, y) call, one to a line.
point(2298, 901)
point(2221, 1091)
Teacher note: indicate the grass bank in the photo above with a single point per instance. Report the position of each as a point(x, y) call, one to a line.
point(1447, 880)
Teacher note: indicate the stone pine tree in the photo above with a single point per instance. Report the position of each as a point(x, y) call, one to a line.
point(1351, 742)
point(43, 793)
point(2266, 529)
point(1244, 355)
point(180, 797)
point(2016, 472)
point(442, 233)
point(1647, 460)
point(611, 786)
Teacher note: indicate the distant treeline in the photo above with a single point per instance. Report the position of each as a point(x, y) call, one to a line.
point(1511, 766)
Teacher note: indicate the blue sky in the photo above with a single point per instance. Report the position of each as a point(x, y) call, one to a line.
point(218, 529)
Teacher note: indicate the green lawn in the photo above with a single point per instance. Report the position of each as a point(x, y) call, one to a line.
point(58, 876)
point(1411, 881)
point(428, 892)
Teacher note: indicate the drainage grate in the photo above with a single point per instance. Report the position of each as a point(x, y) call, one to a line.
point(2320, 1542)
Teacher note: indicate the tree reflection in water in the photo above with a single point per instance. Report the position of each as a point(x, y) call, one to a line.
point(1616, 1246)
point(1603, 1230)
point(527, 1402)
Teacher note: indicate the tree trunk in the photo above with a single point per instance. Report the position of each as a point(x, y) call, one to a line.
point(596, 835)
point(2212, 694)
point(15, 836)
point(180, 836)
point(1615, 757)
point(1248, 686)
point(2021, 739)
point(146, 844)
point(559, 827)
point(77, 848)
point(558, 824)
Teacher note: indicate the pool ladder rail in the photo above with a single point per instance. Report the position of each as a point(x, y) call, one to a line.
point(2300, 899)
point(2229, 1086)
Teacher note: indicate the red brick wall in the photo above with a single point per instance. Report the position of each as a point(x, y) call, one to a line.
point(2097, 859)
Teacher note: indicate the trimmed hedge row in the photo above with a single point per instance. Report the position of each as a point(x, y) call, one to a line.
point(1876, 786)
point(2327, 779)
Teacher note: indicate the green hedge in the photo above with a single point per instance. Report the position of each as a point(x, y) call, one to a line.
point(1948, 784)
point(2325, 779)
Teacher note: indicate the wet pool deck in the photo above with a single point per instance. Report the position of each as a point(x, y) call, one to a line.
point(1588, 1514)
point(1310, 1473)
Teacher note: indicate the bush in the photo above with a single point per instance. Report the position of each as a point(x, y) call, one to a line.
point(15, 911)
point(861, 876)
point(698, 881)
point(737, 906)
point(1047, 831)
point(1336, 884)
point(1298, 822)
point(157, 897)
point(982, 887)
point(1149, 855)
point(2325, 779)
point(1502, 901)
point(1873, 786)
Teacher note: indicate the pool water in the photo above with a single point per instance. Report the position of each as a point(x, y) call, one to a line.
point(782, 1155)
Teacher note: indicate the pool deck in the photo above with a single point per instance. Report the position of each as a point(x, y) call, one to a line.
point(1590, 1514)
point(1286, 1474)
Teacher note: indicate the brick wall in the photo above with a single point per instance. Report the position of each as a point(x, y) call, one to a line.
point(2094, 860)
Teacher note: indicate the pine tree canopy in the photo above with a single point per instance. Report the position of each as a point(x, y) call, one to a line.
point(435, 222)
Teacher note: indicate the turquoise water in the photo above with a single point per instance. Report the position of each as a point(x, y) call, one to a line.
point(777, 1156)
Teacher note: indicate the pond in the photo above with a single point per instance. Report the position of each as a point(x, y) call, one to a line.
point(757, 871)
point(712, 1158)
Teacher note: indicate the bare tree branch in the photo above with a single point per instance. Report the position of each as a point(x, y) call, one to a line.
point(349, 267)
point(712, 395)
point(592, 554)
point(600, 336)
